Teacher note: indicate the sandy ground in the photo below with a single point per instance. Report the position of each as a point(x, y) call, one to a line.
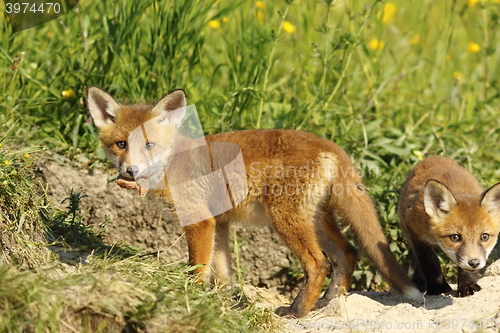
point(391, 312)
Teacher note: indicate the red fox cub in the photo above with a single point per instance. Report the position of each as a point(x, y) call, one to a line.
point(298, 184)
point(443, 204)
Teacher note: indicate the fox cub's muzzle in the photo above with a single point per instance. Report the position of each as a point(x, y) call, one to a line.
point(132, 171)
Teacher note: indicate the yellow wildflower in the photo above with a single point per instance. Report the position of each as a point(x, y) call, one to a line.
point(260, 5)
point(224, 19)
point(259, 16)
point(473, 2)
point(288, 27)
point(415, 40)
point(6, 162)
point(50, 34)
point(1, 144)
point(418, 154)
point(459, 76)
point(447, 57)
point(68, 93)
point(214, 24)
point(26, 155)
point(473, 47)
point(376, 44)
point(387, 15)
point(495, 1)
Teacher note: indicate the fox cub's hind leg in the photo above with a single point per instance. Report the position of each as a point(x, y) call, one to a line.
point(297, 231)
point(342, 257)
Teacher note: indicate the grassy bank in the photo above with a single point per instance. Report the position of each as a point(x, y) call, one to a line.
point(56, 274)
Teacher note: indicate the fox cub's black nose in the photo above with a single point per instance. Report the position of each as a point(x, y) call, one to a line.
point(132, 171)
point(474, 263)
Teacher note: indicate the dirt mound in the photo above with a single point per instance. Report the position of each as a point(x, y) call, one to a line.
point(145, 224)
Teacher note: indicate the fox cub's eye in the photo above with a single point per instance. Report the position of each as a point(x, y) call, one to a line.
point(150, 146)
point(121, 144)
point(484, 237)
point(455, 238)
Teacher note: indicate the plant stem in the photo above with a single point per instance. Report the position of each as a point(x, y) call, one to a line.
point(485, 54)
point(266, 75)
point(346, 66)
point(325, 56)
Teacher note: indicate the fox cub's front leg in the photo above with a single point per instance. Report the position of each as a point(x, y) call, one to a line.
point(427, 275)
point(200, 238)
point(209, 248)
point(467, 283)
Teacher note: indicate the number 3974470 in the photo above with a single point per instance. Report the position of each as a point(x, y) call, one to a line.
point(33, 8)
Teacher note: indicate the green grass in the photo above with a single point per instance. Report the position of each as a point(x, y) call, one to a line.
point(424, 93)
point(112, 296)
point(103, 288)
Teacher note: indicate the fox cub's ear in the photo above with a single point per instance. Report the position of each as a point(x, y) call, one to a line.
point(171, 108)
point(438, 200)
point(491, 201)
point(102, 106)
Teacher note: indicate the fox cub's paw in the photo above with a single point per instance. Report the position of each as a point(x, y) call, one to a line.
point(467, 290)
point(289, 312)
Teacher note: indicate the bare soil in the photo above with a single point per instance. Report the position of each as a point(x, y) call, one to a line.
point(391, 312)
point(145, 224)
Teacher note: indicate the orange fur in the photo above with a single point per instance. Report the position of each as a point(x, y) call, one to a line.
point(443, 204)
point(298, 184)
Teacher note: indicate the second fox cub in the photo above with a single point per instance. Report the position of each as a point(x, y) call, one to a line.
point(443, 204)
point(298, 184)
